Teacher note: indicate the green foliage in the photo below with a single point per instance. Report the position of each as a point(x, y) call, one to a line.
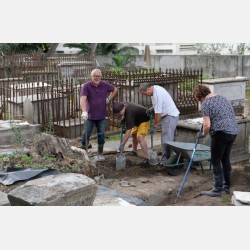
point(206, 76)
point(26, 160)
point(106, 48)
point(121, 61)
point(113, 138)
point(209, 48)
point(51, 158)
point(226, 201)
point(248, 85)
point(11, 48)
point(116, 70)
point(49, 129)
point(17, 133)
point(238, 49)
point(123, 57)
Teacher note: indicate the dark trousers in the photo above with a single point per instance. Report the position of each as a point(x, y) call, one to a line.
point(100, 127)
point(221, 145)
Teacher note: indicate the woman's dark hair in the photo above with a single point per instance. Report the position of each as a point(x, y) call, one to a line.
point(201, 91)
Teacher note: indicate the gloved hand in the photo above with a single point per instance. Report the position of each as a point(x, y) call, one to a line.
point(150, 112)
point(108, 100)
point(84, 115)
point(200, 135)
point(121, 147)
point(152, 130)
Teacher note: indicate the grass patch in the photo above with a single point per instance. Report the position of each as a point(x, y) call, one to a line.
point(113, 138)
point(226, 201)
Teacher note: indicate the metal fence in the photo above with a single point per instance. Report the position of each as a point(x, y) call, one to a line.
point(46, 91)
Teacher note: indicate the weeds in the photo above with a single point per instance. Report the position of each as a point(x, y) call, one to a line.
point(226, 201)
point(49, 128)
point(17, 133)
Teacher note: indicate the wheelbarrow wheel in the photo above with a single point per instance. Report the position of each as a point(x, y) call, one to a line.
point(174, 165)
point(174, 170)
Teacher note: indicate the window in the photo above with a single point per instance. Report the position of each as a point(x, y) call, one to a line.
point(164, 51)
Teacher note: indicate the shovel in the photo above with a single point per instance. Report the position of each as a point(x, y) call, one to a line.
point(121, 159)
point(86, 136)
point(153, 159)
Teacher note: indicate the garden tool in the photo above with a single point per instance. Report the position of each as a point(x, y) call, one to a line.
point(153, 159)
point(189, 165)
point(121, 159)
point(86, 136)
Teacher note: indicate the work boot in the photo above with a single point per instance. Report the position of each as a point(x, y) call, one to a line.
point(163, 160)
point(214, 192)
point(100, 152)
point(143, 163)
point(226, 189)
point(84, 146)
point(227, 181)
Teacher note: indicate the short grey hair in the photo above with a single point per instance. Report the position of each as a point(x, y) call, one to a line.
point(144, 86)
point(96, 70)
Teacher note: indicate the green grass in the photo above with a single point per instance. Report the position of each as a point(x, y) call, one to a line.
point(248, 95)
point(226, 201)
point(113, 138)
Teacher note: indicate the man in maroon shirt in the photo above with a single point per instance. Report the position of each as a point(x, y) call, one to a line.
point(95, 95)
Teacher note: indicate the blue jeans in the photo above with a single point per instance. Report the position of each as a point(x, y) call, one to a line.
point(100, 127)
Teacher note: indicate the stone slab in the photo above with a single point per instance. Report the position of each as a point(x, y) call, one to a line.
point(67, 189)
point(4, 199)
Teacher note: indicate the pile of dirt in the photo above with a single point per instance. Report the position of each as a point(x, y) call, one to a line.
point(107, 170)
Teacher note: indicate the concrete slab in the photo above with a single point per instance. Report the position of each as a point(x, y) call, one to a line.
point(110, 197)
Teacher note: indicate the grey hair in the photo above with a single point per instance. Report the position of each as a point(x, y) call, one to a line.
point(144, 86)
point(95, 70)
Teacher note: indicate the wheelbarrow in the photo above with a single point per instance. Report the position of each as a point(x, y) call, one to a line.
point(183, 151)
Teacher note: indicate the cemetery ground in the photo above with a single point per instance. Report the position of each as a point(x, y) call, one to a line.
point(133, 180)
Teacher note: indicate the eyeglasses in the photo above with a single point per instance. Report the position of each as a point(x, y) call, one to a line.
point(96, 76)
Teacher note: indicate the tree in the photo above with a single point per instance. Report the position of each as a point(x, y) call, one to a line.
point(238, 48)
point(106, 48)
point(101, 48)
point(122, 57)
point(18, 48)
point(212, 51)
point(209, 48)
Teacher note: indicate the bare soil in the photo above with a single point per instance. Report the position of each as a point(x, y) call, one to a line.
point(106, 169)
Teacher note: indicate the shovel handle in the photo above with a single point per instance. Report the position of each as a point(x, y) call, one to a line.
point(86, 136)
point(151, 124)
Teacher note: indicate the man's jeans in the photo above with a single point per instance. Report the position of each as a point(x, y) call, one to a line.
point(100, 127)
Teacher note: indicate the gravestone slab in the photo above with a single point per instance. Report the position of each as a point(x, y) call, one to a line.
point(3, 199)
point(67, 189)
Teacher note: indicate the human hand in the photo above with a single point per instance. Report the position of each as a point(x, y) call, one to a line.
point(150, 112)
point(121, 147)
point(200, 135)
point(108, 100)
point(84, 115)
point(152, 130)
